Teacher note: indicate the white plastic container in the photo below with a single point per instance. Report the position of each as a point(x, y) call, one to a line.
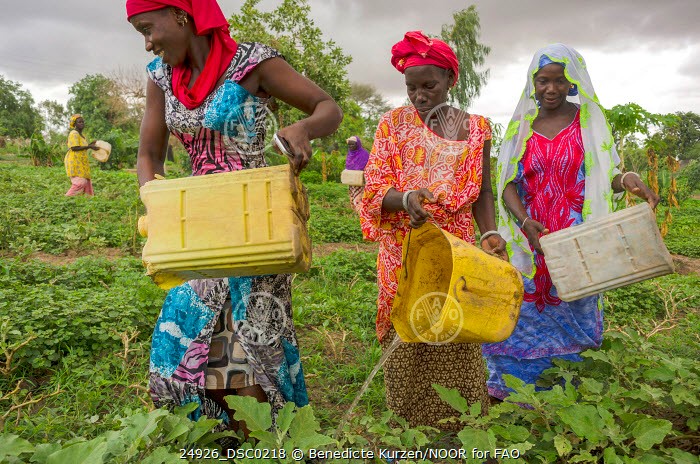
point(620, 249)
point(352, 177)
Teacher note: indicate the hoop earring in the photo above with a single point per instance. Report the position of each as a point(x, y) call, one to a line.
point(180, 16)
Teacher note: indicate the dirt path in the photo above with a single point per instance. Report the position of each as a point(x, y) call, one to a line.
point(71, 255)
point(324, 249)
point(686, 265)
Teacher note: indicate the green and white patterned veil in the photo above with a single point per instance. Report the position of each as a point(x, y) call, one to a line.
point(600, 156)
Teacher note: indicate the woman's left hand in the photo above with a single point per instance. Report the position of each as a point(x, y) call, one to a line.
point(299, 145)
point(634, 184)
point(495, 245)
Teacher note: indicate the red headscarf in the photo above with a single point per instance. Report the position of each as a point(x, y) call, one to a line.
point(416, 49)
point(208, 19)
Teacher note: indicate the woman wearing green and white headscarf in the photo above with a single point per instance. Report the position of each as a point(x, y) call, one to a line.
point(557, 168)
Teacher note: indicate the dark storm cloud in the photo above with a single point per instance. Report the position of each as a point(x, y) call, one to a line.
point(57, 42)
point(47, 41)
point(513, 29)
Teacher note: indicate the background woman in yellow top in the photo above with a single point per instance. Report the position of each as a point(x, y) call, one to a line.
point(76, 160)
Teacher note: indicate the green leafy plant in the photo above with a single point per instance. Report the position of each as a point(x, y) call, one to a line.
point(296, 429)
point(627, 402)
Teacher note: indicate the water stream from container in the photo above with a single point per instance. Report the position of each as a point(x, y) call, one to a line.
point(390, 349)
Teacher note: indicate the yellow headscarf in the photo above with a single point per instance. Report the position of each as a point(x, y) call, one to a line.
point(73, 119)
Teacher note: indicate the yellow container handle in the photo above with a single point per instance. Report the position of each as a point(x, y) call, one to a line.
point(143, 226)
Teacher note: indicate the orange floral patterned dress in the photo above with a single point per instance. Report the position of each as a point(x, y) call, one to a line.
point(407, 155)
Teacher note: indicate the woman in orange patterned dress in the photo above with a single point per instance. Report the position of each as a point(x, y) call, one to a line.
point(429, 161)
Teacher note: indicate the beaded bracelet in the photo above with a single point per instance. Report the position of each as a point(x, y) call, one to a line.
point(488, 234)
point(404, 200)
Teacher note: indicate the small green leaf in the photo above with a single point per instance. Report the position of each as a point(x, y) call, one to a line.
point(610, 457)
point(597, 355)
point(681, 395)
point(649, 432)
point(584, 456)
point(162, 455)
point(475, 438)
point(87, 452)
point(304, 430)
point(511, 433)
point(257, 416)
point(584, 421)
point(177, 431)
point(452, 397)
point(13, 445)
point(563, 445)
point(682, 457)
point(284, 418)
point(662, 373)
point(591, 385)
point(391, 441)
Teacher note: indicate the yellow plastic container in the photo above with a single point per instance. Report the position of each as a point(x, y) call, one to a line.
point(451, 291)
point(240, 223)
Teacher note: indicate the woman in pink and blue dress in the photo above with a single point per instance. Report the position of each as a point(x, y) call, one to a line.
point(235, 336)
point(557, 168)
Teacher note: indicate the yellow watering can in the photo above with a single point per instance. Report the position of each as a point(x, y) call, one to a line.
point(452, 292)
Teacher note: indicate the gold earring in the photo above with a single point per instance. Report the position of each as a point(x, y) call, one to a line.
point(180, 16)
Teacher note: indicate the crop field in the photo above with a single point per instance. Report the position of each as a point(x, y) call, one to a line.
point(77, 313)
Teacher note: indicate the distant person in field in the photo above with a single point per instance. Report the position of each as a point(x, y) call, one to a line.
point(76, 159)
point(420, 169)
point(356, 160)
point(235, 336)
point(558, 168)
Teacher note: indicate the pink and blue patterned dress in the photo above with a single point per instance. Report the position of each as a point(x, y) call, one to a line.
point(235, 332)
point(550, 182)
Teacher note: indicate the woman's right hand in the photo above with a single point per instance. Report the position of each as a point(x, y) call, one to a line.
point(415, 210)
point(533, 230)
point(93, 146)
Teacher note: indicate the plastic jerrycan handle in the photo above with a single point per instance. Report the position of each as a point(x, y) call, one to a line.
point(143, 220)
point(283, 146)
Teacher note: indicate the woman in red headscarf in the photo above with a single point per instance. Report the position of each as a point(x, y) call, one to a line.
point(429, 160)
point(219, 337)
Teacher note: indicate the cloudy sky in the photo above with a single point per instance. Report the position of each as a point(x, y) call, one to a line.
point(643, 51)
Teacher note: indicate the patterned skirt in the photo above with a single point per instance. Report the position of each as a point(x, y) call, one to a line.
point(226, 333)
point(412, 369)
point(355, 192)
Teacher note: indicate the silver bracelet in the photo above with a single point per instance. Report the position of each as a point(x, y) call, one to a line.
point(622, 179)
point(404, 200)
point(524, 221)
point(488, 234)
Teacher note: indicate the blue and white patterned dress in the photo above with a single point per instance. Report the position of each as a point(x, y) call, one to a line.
point(235, 332)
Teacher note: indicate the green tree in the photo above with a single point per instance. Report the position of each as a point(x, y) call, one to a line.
point(463, 37)
point(55, 116)
point(683, 135)
point(18, 116)
point(98, 99)
point(372, 106)
point(631, 119)
point(290, 29)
